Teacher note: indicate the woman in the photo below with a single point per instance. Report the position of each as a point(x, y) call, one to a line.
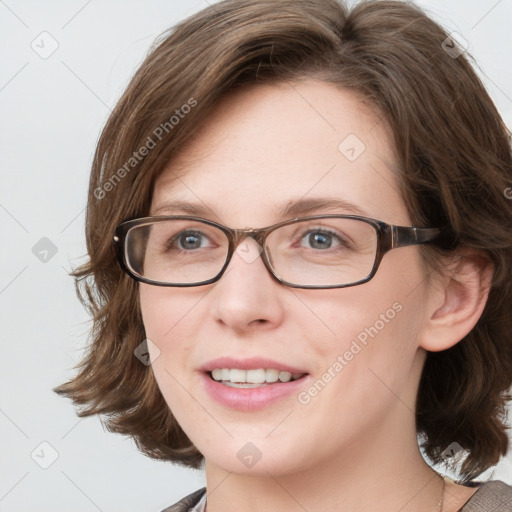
point(313, 244)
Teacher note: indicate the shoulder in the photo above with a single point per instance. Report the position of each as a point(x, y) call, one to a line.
point(494, 495)
point(185, 504)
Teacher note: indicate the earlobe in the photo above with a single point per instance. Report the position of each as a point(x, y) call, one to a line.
point(458, 302)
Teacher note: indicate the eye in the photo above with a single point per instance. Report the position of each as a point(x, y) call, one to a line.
point(187, 240)
point(321, 239)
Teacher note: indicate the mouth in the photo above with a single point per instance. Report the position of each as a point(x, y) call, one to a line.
point(251, 384)
point(253, 378)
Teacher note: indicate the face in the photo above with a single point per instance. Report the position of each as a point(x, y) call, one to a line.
point(355, 349)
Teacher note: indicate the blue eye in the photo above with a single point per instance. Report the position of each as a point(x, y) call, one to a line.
point(189, 240)
point(320, 239)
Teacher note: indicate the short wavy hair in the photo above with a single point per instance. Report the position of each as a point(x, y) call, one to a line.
point(454, 168)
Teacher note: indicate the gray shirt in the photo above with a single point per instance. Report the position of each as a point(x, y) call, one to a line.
point(493, 496)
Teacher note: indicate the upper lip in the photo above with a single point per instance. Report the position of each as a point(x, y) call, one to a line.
point(252, 363)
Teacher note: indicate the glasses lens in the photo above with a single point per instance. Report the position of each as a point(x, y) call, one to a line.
point(176, 251)
point(323, 252)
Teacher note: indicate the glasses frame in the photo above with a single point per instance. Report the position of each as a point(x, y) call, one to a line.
point(389, 237)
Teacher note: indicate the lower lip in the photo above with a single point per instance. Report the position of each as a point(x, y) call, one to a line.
point(251, 399)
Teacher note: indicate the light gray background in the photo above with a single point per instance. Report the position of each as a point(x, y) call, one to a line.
point(52, 111)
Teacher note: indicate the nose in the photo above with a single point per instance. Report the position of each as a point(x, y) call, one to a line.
point(247, 297)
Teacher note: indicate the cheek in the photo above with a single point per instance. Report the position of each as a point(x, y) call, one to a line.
point(173, 320)
point(376, 323)
point(169, 323)
point(361, 335)
point(368, 358)
point(153, 308)
point(165, 310)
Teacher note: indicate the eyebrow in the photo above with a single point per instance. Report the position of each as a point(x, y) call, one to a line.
point(292, 208)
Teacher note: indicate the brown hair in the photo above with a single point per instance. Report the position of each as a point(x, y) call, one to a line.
point(455, 163)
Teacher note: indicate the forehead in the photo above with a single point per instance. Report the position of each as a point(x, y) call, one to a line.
point(265, 147)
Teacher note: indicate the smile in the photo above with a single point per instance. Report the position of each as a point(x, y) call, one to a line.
point(239, 378)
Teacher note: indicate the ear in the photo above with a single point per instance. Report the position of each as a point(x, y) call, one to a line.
point(456, 300)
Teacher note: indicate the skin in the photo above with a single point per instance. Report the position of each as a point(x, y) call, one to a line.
point(354, 445)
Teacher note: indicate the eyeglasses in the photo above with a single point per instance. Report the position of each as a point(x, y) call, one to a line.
point(320, 251)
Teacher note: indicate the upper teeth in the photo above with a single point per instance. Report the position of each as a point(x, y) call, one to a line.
point(258, 376)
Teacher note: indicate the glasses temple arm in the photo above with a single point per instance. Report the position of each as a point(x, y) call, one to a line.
point(402, 236)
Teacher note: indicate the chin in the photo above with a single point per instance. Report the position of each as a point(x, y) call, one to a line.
point(255, 458)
